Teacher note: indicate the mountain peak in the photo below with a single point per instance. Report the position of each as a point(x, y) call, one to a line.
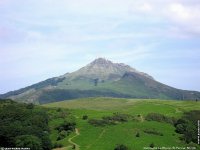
point(104, 69)
point(101, 61)
point(101, 77)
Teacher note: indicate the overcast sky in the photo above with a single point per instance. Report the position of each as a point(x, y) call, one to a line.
point(40, 39)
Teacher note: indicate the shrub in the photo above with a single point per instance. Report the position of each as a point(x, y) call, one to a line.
point(110, 120)
point(85, 117)
point(180, 128)
point(121, 147)
point(153, 131)
point(159, 118)
point(59, 110)
point(137, 134)
point(97, 122)
point(151, 145)
point(67, 125)
point(57, 145)
point(62, 135)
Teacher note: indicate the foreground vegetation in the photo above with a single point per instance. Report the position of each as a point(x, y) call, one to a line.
point(99, 124)
point(23, 125)
point(108, 124)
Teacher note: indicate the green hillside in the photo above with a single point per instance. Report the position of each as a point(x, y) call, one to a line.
point(97, 133)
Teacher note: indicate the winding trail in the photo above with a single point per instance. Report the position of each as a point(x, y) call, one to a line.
point(77, 147)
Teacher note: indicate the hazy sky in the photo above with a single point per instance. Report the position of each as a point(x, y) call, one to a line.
point(40, 39)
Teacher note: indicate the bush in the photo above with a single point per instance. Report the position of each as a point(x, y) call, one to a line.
point(137, 134)
point(57, 145)
point(153, 131)
point(85, 117)
point(62, 135)
point(152, 145)
point(121, 147)
point(97, 122)
point(110, 120)
point(180, 128)
point(159, 118)
point(67, 125)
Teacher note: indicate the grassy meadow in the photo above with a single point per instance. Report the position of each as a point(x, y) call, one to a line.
point(90, 137)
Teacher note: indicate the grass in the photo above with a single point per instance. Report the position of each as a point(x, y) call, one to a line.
point(106, 138)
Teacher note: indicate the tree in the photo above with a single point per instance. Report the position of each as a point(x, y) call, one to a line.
point(85, 117)
point(29, 141)
point(121, 147)
point(74, 147)
point(151, 145)
point(23, 124)
point(137, 134)
point(96, 81)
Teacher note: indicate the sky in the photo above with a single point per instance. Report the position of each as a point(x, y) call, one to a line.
point(40, 39)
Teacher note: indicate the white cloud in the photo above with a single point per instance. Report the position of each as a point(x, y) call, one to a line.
point(51, 33)
point(179, 12)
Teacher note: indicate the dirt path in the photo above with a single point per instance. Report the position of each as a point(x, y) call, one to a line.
point(98, 138)
point(77, 147)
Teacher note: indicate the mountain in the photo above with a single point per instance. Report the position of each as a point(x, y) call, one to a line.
point(100, 78)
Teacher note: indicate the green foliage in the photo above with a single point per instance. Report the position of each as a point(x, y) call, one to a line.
point(20, 121)
point(110, 120)
point(160, 118)
point(85, 117)
point(137, 134)
point(62, 135)
point(152, 145)
point(107, 136)
point(28, 141)
point(121, 147)
point(118, 117)
point(187, 125)
point(67, 125)
point(57, 145)
point(153, 131)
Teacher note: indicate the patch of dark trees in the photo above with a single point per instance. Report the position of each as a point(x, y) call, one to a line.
point(121, 147)
point(23, 125)
point(153, 131)
point(111, 120)
point(160, 118)
point(65, 128)
point(187, 125)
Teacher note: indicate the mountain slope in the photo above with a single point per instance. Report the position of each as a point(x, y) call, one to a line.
point(144, 87)
point(99, 78)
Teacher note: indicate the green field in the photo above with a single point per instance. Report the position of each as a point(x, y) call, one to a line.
point(89, 137)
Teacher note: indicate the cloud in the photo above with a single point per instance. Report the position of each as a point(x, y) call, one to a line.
point(63, 35)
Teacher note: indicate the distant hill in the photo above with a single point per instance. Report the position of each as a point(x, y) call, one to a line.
point(99, 78)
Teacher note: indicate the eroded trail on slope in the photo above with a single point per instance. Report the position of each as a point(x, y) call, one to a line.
point(76, 146)
point(98, 138)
